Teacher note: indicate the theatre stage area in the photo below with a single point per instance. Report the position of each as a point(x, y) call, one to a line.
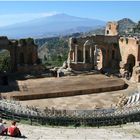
point(66, 86)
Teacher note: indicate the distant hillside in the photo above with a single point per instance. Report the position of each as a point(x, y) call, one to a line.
point(137, 29)
point(54, 50)
point(56, 25)
point(43, 51)
point(98, 31)
point(126, 25)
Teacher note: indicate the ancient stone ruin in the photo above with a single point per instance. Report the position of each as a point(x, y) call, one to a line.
point(23, 54)
point(109, 53)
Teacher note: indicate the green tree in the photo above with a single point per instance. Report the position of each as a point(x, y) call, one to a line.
point(5, 61)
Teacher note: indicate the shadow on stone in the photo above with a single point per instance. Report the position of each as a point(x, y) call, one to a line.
point(126, 86)
point(7, 84)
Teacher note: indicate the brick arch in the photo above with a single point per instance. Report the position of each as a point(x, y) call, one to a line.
point(131, 62)
point(87, 51)
point(87, 46)
point(100, 58)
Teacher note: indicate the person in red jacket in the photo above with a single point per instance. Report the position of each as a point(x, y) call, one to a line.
point(13, 130)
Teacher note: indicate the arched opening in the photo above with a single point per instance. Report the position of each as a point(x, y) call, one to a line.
point(109, 27)
point(21, 58)
point(5, 61)
point(79, 56)
point(130, 64)
point(87, 56)
point(107, 32)
point(99, 58)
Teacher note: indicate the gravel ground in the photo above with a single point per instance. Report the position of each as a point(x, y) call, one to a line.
point(125, 132)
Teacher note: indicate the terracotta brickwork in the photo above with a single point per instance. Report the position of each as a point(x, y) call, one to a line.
point(111, 29)
point(106, 52)
point(23, 52)
point(94, 51)
point(130, 59)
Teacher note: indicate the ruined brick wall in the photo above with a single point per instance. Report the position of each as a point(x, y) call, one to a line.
point(26, 52)
point(130, 56)
point(83, 50)
point(111, 29)
point(23, 52)
point(109, 51)
point(128, 46)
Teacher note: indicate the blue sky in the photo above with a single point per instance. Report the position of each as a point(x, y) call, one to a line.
point(13, 12)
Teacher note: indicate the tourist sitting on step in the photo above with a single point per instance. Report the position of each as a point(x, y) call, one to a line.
point(13, 130)
point(3, 129)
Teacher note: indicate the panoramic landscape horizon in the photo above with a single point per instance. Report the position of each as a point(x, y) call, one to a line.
point(69, 70)
point(45, 19)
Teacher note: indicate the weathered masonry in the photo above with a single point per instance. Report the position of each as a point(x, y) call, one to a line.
point(94, 52)
point(130, 56)
point(23, 53)
point(106, 52)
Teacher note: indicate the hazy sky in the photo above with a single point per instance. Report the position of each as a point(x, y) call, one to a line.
point(13, 12)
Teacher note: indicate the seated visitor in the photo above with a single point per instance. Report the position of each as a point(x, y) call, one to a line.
point(3, 130)
point(13, 130)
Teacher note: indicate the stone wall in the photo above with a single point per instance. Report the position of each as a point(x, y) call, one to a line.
point(106, 52)
point(23, 52)
point(130, 57)
point(111, 29)
point(84, 52)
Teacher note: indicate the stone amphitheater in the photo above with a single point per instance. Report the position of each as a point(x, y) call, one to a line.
point(131, 105)
point(89, 102)
point(114, 114)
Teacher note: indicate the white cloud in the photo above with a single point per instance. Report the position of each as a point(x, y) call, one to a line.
point(8, 19)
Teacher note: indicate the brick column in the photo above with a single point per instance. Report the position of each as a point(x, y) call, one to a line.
point(95, 55)
point(91, 59)
point(76, 53)
point(69, 54)
point(84, 54)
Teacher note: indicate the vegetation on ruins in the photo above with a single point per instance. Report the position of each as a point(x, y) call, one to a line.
point(4, 60)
